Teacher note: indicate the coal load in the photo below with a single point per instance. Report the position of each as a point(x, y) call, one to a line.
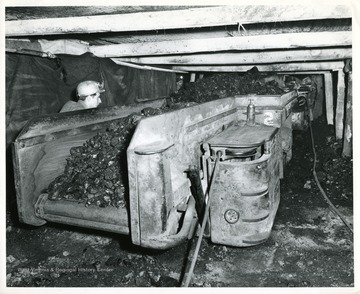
point(223, 85)
point(96, 173)
point(93, 172)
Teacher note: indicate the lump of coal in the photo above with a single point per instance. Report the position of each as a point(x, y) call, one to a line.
point(149, 111)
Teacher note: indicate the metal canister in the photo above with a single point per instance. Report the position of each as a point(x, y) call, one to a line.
point(250, 114)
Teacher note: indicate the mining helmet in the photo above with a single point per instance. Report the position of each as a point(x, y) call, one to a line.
point(88, 88)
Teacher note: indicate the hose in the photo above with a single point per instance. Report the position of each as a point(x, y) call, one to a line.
point(332, 207)
point(163, 242)
point(203, 225)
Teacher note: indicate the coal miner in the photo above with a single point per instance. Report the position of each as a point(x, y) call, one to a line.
point(88, 96)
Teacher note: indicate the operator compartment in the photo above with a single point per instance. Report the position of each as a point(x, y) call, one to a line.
point(246, 190)
point(121, 170)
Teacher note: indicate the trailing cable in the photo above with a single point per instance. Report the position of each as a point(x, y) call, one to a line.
point(332, 206)
point(203, 225)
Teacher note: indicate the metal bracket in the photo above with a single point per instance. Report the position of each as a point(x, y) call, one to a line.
point(39, 205)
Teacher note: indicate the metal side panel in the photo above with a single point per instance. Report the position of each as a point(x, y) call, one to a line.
point(111, 219)
point(56, 122)
point(155, 188)
point(244, 202)
point(37, 163)
point(24, 185)
point(266, 100)
point(271, 110)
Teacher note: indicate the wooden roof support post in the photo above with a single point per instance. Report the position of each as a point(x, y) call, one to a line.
point(340, 105)
point(347, 146)
point(329, 97)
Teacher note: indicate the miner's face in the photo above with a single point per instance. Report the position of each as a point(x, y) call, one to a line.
point(93, 100)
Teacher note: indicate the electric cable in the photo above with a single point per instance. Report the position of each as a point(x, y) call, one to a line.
point(332, 207)
point(203, 225)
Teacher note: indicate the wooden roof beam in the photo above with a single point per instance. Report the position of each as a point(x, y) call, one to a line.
point(247, 57)
point(278, 67)
point(259, 42)
point(63, 46)
point(174, 19)
point(146, 67)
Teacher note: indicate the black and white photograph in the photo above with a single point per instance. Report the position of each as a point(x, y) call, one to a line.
point(179, 145)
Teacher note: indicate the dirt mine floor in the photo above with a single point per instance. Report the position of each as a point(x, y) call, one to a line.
point(309, 246)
